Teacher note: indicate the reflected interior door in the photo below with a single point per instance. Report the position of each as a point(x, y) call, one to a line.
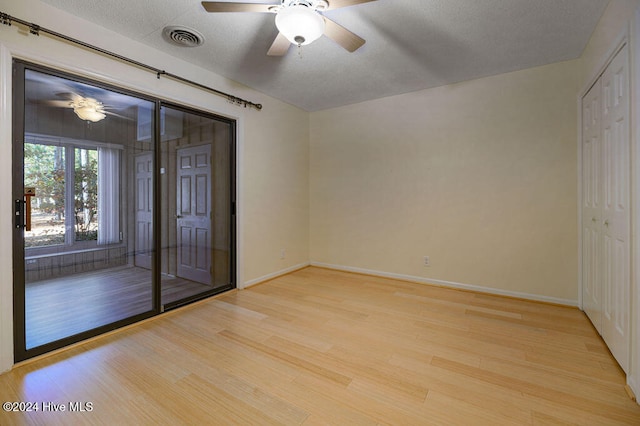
point(193, 219)
point(144, 210)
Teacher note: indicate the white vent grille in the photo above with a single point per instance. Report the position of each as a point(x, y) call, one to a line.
point(183, 36)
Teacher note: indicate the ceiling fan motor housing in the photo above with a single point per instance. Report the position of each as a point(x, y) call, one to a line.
point(317, 5)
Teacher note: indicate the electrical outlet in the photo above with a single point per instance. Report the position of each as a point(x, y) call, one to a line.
point(282, 253)
point(427, 262)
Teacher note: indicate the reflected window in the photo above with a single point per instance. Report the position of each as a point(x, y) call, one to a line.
point(44, 169)
point(89, 175)
point(76, 136)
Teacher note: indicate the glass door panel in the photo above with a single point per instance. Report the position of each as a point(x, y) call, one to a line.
point(124, 207)
point(196, 176)
point(85, 225)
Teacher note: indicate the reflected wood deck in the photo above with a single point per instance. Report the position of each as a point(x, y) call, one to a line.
point(64, 306)
point(326, 347)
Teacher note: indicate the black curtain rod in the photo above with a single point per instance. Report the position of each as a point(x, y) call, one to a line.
point(36, 30)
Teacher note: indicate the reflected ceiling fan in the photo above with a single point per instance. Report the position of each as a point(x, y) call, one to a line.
point(86, 108)
point(299, 22)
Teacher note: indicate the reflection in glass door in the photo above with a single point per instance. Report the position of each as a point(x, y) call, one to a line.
point(124, 207)
point(86, 239)
point(196, 180)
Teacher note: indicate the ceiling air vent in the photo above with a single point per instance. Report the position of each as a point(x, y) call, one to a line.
point(183, 36)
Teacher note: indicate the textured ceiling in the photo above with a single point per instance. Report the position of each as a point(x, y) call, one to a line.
point(411, 44)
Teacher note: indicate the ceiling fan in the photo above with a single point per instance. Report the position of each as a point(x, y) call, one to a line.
point(299, 22)
point(88, 102)
point(86, 108)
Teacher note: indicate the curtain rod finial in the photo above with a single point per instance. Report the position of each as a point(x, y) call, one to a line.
point(5, 19)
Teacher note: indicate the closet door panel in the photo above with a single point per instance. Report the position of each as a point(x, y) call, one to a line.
point(615, 209)
point(592, 205)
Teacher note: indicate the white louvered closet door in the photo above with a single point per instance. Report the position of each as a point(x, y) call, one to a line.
point(606, 202)
point(592, 205)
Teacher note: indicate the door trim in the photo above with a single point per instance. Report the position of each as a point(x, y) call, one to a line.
point(6, 174)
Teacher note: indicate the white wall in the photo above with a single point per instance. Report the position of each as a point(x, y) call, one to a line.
point(276, 194)
point(272, 143)
point(479, 176)
point(634, 377)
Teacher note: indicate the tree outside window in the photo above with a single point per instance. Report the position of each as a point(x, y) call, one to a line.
point(86, 194)
point(45, 168)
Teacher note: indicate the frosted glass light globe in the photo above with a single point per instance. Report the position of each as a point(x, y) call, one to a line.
point(300, 24)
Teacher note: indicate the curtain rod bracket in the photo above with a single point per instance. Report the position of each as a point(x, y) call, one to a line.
point(34, 29)
point(163, 72)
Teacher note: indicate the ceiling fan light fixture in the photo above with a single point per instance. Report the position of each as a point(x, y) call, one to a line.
point(89, 114)
point(301, 25)
point(88, 109)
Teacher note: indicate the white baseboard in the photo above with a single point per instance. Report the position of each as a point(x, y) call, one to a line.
point(633, 385)
point(274, 275)
point(450, 284)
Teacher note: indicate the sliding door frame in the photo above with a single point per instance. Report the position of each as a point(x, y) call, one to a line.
point(232, 201)
point(21, 352)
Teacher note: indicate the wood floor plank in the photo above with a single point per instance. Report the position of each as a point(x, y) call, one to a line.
point(561, 380)
point(288, 358)
point(440, 406)
point(539, 390)
point(320, 347)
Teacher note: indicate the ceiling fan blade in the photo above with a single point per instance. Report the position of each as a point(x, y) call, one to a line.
point(71, 96)
point(342, 36)
point(58, 104)
point(336, 4)
point(118, 115)
point(219, 6)
point(280, 46)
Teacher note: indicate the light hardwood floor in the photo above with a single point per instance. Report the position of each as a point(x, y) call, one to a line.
point(326, 347)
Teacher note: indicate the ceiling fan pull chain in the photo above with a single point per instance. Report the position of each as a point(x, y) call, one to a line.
point(300, 51)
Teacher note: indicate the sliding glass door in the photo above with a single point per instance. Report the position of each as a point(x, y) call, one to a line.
point(196, 174)
point(123, 208)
